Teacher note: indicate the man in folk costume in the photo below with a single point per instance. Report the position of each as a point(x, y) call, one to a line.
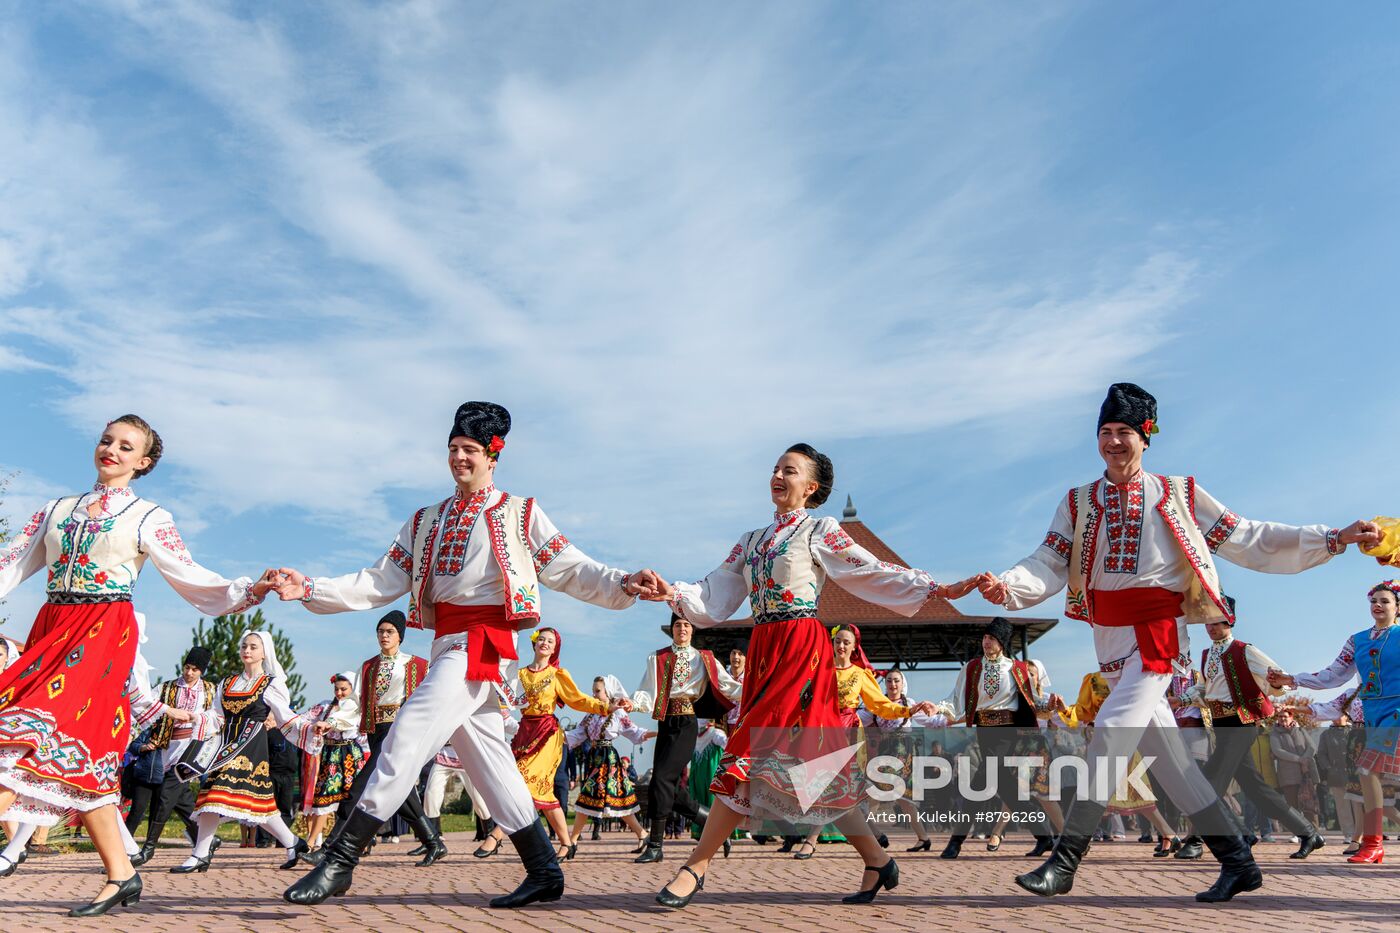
point(681, 683)
point(1236, 691)
point(180, 741)
point(1136, 553)
point(387, 680)
point(1001, 697)
point(472, 566)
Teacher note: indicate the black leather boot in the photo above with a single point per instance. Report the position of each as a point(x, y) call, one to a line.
point(1044, 845)
point(483, 828)
point(144, 856)
point(1192, 847)
point(954, 847)
point(544, 880)
point(1309, 839)
point(1225, 838)
point(1056, 876)
point(432, 849)
point(331, 878)
point(652, 853)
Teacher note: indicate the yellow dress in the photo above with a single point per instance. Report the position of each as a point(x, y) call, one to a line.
point(1092, 692)
point(856, 686)
point(539, 744)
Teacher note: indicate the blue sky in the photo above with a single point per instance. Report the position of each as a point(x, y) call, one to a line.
point(675, 240)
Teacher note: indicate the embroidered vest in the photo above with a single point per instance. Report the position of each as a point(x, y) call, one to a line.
point(1024, 714)
point(99, 556)
point(413, 673)
point(711, 704)
point(162, 731)
point(507, 524)
point(1250, 702)
point(1202, 601)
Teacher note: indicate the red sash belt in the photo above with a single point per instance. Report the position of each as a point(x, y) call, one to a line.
point(490, 637)
point(1152, 612)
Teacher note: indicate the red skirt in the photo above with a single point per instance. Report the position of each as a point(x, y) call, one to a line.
point(64, 716)
point(788, 717)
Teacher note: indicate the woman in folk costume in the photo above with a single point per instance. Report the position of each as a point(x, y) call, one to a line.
point(1127, 800)
point(1370, 656)
point(241, 789)
point(329, 733)
point(607, 791)
point(1135, 553)
point(857, 692)
point(790, 680)
point(66, 714)
point(539, 743)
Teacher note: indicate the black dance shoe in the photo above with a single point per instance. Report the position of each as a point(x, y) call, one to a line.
point(544, 880)
point(140, 858)
point(1308, 845)
point(886, 877)
point(298, 850)
point(200, 864)
point(924, 846)
point(128, 893)
point(802, 856)
point(1167, 848)
point(674, 901)
point(652, 853)
point(483, 852)
point(728, 844)
point(954, 847)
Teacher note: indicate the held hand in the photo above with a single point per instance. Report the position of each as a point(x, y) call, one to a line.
point(926, 708)
point(1366, 534)
point(322, 727)
point(268, 582)
point(148, 747)
point(663, 591)
point(960, 589)
point(291, 584)
point(992, 589)
point(649, 735)
point(1057, 703)
point(1175, 702)
point(1278, 679)
point(642, 584)
point(181, 715)
point(270, 722)
point(620, 703)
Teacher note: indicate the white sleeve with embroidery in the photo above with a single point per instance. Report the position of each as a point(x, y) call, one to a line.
point(1269, 547)
point(629, 729)
point(953, 706)
point(279, 701)
point(732, 689)
point(562, 567)
point(645, 694)
point(1335, 674)
point(578, 734)
point(206, 723)
point(201, 587)
point(146, 706)
point(1046, 571)
point(717, 597)
point(23, 555)
point(861, 573)
point(370, 588)
point(1259, 664)
point(1331, 710)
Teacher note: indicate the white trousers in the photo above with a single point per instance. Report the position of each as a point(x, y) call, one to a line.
point(448, 708)
point(1137, 717)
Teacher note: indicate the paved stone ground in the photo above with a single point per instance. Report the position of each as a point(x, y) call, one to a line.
point(1121, 888)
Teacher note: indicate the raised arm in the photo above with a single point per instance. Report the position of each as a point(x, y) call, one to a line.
point(207, 591)
point(1339, 672)
point(716, 598)
point(563, 567)
point(574, 698)
point(370, 588)
point(1269, 547)
point(860, 572)
point(23, 555)
point(1040, 575)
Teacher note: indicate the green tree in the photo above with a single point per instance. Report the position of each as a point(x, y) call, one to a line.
point(224, 634)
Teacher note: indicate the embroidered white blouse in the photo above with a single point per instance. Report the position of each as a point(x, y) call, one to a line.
point(392, 692)
point(997, 688)
point(465, 571)
point(781, 570)
point(595, 728)
point(1216, 687)
point(1137, 548)
point(103, 555)
point(204, 725)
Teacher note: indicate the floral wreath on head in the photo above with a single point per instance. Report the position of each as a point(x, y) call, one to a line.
point(1392, 585)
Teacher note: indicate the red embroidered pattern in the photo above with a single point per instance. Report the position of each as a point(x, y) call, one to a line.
point(1124, 527)
point(837, 540)
point(1334, 541)
point(170, 539)
point(734, 554)
point(456, 529)
point(1220, 532)
point(1057, 543)
point(400, 558)
point(13, 554)
point(552, 549)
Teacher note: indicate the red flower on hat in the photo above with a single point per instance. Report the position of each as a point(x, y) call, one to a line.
point(1149, 427)
point(496, 446)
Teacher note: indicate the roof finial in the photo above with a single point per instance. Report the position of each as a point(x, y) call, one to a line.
point(848, 514)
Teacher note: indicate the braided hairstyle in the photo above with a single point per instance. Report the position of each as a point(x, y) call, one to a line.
point(154, 447)
point(823, 472)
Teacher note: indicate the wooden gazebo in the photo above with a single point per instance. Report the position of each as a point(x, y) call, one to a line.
point(937, 638)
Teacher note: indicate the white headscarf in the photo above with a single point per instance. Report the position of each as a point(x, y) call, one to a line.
point(352, 702)
point(14, 650)
point(614, 688)
point(271, 666)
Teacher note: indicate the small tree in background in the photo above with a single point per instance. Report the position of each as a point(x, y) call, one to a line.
point(224, 634)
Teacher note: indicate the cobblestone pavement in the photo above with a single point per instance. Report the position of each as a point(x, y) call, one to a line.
point(1120, 888)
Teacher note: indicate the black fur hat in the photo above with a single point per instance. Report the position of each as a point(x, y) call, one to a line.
point(1001, 630)
point(396, 619)
point(199, 657)
point(484, 422)
point(1131, 405)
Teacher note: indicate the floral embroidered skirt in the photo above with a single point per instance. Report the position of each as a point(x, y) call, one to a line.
point(539, 748)
point(335, 772)
point(242, 789)
point(607, 790)
point(64, 714)
point(788, 719)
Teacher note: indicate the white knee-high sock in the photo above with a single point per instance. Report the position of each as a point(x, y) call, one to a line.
point(17, 844)
point(278, 830)
point(208, 825)
point(131, 847)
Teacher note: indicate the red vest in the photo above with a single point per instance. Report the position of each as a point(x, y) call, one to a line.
point(413, 673)
point(1250, 702)
point(1023, 715)
point(712, 704)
